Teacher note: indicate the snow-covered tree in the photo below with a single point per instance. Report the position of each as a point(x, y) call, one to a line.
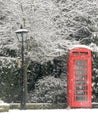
point(54, 26)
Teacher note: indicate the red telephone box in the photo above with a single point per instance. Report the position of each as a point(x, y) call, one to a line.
point(79, 77)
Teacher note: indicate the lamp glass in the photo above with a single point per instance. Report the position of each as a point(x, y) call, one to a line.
point(21, 35)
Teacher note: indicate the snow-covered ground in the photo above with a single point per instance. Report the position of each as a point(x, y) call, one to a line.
point(73, 119)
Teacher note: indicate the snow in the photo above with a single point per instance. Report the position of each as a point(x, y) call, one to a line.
point(82, 46)
point(63, 119)
point(22, 31)
point(2, 103)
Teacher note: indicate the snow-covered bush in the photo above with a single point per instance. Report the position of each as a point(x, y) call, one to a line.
point(49, 90)
point(9, 80)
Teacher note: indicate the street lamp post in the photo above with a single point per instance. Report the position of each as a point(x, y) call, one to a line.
point(22, 35)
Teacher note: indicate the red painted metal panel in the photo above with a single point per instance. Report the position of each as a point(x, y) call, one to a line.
point(79, 90)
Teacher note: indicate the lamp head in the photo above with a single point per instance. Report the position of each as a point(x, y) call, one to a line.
point(21, 34)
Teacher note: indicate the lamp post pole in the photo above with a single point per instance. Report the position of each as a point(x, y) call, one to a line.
point(21, 37)
point(23, 102)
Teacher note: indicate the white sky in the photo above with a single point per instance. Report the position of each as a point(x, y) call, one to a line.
point(72, 119)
